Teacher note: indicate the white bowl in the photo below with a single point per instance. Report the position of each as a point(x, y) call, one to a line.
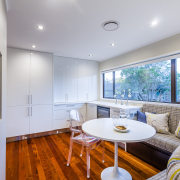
point(119, 130)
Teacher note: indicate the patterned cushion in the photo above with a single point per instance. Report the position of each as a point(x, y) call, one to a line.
point(164, 141)
point(173, 167)
point(177, 132)
point(160, 176)
point(158, 121)
point(159, 108)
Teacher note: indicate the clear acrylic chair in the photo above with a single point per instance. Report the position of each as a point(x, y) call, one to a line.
point(88, 142)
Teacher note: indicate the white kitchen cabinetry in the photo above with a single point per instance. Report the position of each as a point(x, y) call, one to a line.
point(41, 118)
point(30, 92)
point(87, 81)
point(93, 81)
point(75, 80)
point(61, 114)
point(18, 71)
point(71, 81)
point(41, 78)
point(91, 111)
point(83, 81)
point(60, 117)
point(17, 121)
point(65, 80)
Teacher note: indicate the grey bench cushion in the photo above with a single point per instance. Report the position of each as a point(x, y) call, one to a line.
point(165, 142)
point(160, 176)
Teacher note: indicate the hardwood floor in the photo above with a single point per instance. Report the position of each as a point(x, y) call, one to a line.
point(45, 158)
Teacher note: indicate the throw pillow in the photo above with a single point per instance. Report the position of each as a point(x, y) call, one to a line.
point(141, 117)
point(173, 167)
point(177, 132)
point(159, 122)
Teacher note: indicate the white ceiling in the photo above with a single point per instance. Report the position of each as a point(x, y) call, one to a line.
point(73, 28)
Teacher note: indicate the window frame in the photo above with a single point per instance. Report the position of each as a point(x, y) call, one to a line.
point(173, 83)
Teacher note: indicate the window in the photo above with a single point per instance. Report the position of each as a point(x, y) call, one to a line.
point(178, 79)
point(149, 82)
point(108, 85)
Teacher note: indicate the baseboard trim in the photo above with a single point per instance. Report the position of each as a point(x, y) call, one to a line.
point(35, 135)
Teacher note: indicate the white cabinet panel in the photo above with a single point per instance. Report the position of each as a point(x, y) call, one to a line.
point(17, 122)
point(41, 118)
point(83, 81)
point(18, 69)
point(71, 81)
point(91, 111)
point(75, 80)
point(65, 80)
point(93, 82)
point(41, 78)
point(60, 118)
point(61, 114)
point(59, 79)
point(87, 81)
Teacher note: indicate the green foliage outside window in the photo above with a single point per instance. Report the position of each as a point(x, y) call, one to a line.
point(150, 82)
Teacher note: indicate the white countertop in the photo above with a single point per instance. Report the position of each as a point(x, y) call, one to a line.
point(113, 105)
point(100, 103)
point(69, 103)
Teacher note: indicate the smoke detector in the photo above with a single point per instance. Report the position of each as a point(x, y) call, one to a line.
point(110, 25)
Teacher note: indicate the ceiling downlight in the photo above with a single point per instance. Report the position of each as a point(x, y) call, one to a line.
point(110, 25)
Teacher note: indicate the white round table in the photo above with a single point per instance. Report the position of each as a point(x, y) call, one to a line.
point(103, 129)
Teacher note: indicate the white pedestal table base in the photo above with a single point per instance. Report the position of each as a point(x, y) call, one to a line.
point(115, 173)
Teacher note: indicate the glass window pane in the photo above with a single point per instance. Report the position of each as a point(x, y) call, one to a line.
point(108, 85)
point(178, 80)
point(150, 82)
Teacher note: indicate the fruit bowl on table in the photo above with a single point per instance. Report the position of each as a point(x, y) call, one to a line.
point(119, 124)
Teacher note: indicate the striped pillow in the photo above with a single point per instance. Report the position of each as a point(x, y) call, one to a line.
point(173, 167)
point(177, 132)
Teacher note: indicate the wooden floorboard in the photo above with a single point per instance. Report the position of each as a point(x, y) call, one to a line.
point(44, 158)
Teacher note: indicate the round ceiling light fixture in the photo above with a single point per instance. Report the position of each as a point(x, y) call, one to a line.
point(110, 25)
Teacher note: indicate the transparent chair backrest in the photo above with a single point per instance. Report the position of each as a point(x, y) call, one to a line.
point(74, 115)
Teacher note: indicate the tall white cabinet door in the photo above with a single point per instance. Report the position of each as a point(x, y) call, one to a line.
point(41, 118)
point(83, 81)
point(17, 121)
point(18, 70)
point(60, 70)
point(65, 79)
point(71, 81)
point(93, 81)
point(41, 78)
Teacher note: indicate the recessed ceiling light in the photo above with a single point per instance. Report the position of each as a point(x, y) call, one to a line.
point(154, 22)
point(112, 44)
point(110, 25)
point(90, 55)
point(40, 27)
point(33, 46)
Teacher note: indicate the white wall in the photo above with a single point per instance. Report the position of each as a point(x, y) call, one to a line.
point(2, 122)
point(163, 47)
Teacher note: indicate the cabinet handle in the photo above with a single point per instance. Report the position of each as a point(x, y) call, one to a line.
point(31, 111)
point(31, 98)
point(28, 110)
point(28, 99)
